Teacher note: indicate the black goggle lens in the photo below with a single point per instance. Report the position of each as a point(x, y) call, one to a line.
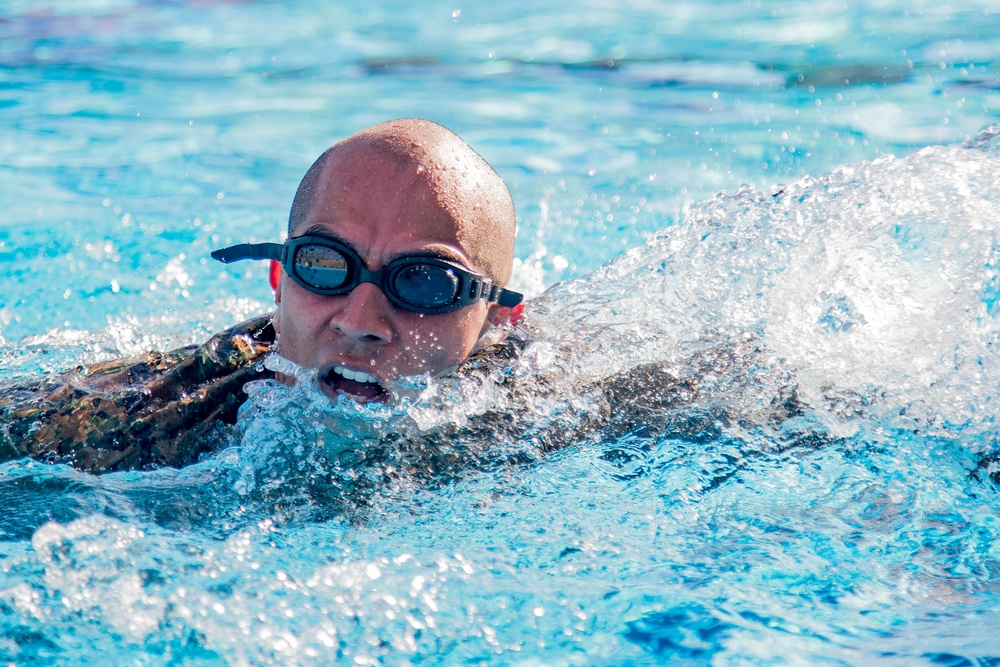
point(321, 266)
point(426, 285)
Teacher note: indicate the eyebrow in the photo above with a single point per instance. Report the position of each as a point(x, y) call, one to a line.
point(323, 232)
point(319, 230)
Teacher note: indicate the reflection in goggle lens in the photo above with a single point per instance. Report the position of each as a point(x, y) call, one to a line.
point(321, 266)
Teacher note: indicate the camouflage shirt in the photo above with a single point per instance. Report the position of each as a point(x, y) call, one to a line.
point(135, 413)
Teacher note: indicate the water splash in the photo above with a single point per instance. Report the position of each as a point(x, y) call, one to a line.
point(875, 285)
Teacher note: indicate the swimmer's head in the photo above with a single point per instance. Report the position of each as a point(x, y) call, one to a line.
point(402, 188)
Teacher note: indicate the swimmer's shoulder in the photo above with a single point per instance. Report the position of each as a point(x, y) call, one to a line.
point(138, 412)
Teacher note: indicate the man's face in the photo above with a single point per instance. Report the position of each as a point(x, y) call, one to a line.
point(384, 210)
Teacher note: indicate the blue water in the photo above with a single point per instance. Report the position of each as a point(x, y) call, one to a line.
point(802, 183)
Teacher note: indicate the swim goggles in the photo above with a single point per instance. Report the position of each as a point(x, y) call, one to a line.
point(418, 283)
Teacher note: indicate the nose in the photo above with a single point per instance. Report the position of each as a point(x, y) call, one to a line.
point(364, 315)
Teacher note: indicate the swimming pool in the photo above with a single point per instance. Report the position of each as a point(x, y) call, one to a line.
point(137, 136)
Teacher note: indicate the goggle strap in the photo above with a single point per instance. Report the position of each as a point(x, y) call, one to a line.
point(243, 251)
point(505, 297)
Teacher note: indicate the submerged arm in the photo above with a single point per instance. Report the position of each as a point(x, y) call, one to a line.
point(722, 390)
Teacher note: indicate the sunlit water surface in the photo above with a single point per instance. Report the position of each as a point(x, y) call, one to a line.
point(860, 529)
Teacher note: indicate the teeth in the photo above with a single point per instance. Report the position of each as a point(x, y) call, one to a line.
point(357, 376)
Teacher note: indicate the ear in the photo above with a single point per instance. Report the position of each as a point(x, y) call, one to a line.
point(499, 315)
point(274, 276)
point(275, 279)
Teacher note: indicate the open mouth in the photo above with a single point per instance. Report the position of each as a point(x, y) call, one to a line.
point(356, 385)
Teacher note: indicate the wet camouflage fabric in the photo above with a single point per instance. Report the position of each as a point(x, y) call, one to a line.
point(139, 413)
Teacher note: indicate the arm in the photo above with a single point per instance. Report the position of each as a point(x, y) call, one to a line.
point(134, 413)
point(701, 397)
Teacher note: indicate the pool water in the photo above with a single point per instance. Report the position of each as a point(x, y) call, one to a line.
point(802, 185)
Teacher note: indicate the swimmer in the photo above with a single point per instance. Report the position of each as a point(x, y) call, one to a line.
point(400, 245)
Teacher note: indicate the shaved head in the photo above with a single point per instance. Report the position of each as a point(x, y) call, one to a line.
point(406, 188)
point(457, 180)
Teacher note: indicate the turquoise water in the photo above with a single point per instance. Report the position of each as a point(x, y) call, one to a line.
point(137, 136)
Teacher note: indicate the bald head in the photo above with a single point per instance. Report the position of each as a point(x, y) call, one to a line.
point(457, 180)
